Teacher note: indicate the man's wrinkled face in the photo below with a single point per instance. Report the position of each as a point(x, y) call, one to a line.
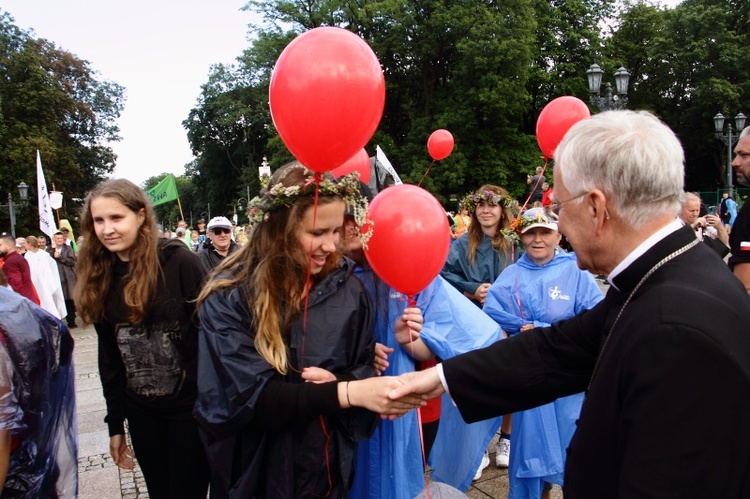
point(59, 239)
point(690, 211)
point(220, 237)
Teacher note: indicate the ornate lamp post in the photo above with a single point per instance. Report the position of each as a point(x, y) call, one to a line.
point(238, 206)
point(608, 101)
point(729, 140)
point(23, 193)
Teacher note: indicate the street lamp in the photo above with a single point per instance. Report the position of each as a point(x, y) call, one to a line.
point(23, 193)
point(729, 139)
point(608, 101)
point(239, 206)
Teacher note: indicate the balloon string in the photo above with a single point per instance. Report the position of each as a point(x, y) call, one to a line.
point(308, 281)
point(425, 174)
point(328, 458)
point(413, 304)
point(544, 169)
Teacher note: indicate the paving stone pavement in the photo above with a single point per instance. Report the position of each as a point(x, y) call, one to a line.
point(98, 476)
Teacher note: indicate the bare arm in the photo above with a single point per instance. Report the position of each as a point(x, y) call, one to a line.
point(742, 271)
point(408, 328)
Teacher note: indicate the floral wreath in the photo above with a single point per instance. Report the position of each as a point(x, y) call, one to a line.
point(346, 187)
point(521, 222)
point(471, 201)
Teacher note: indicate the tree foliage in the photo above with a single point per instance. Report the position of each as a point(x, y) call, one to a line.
point(52, 101)
point(689, 63)
point(484, 70)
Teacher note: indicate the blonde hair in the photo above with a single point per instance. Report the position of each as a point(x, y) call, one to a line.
point(96, 263)
point(271, 266)
point(32, 241)
point(499, 242)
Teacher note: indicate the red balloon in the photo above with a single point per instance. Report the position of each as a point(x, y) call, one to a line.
point(326, 95)
point(410, 238)
point(440, 144)
point(556, 119)
point(360, 162)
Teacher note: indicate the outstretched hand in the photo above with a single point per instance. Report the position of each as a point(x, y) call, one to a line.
point(373, 394)
point(425, 383)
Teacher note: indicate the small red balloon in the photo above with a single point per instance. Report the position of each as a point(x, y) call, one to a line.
point(360, 162)
point(440, 144)
point(556, 119)
point(327, 94)
point(410, 238)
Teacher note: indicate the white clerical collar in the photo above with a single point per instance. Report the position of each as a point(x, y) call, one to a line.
point(642, 248)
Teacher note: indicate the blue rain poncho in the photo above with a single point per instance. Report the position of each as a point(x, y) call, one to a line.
point(389, 465)
point(526, 293)
point(488, 264)
point(37, 400)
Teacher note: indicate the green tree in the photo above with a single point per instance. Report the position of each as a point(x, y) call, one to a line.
point(52, 101)
point(690, 63)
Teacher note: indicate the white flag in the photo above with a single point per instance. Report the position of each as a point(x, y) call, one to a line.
point(46, 219)
point(387, 164)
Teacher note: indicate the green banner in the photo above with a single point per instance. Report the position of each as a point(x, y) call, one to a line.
point(165, 191)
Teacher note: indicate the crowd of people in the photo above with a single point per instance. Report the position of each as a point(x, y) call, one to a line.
point(272, 361)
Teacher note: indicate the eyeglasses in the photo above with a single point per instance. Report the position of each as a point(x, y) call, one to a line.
point(556, 206)
point(219, 231)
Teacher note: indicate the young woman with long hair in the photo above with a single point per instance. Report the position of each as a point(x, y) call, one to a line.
point(285, 346)
point(139, 291)
point(477, 258)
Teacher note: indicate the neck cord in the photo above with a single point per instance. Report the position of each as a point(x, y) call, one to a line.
point(632, 293)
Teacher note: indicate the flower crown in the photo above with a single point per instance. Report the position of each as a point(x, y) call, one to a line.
point(531, 217)
point(279, 196)
point(471, 201)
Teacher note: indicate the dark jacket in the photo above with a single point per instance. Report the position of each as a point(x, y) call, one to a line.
point(667, 412)
point(66, 265)
point(265, 433)
point(152, 364)
point(210, 258)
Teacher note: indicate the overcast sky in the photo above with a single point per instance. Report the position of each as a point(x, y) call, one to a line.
point(159, 50)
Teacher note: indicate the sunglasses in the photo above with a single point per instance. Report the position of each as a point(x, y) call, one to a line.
point(219, 231)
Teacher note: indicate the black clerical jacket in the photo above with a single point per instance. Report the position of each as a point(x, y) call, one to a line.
point(667, 413)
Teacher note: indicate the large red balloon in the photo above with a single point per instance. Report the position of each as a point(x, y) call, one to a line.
point(360, 162)
point(327, 95)
point(410, 238)
point(440, 144)
point(556, 119)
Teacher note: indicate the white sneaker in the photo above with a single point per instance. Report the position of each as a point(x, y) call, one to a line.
point(503, 453)
point(485, 462)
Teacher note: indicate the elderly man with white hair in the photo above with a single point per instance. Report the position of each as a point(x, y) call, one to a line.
point(664, 359)
point(708, 228)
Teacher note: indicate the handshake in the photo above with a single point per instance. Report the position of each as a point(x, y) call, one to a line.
point(391, 396)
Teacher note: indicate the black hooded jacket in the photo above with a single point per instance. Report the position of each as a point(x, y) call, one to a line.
point(210, 258)
point(269, 435)
point(152, 364)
